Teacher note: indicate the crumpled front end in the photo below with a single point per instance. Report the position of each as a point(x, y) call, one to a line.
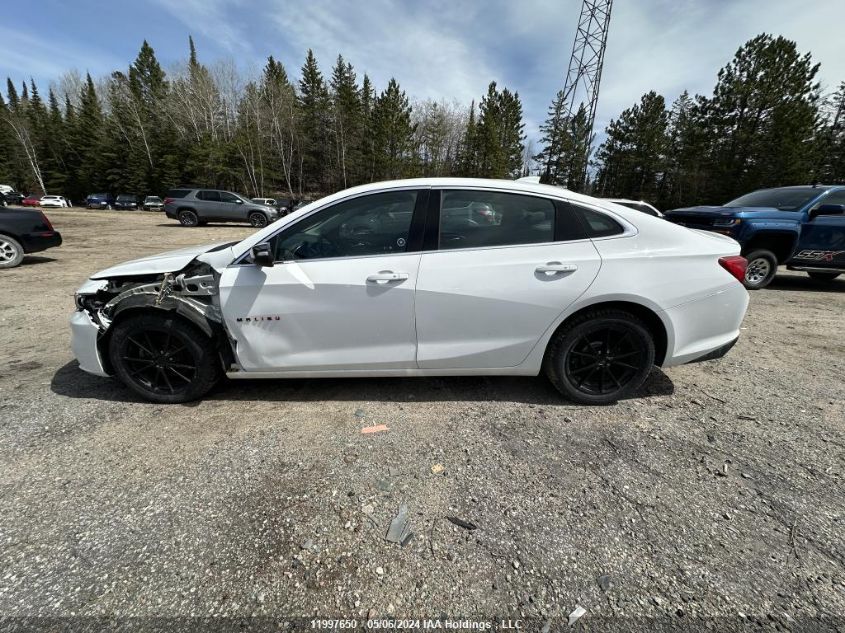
point(191, 293)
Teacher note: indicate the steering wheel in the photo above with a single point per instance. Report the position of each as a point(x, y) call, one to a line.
point(314, 250)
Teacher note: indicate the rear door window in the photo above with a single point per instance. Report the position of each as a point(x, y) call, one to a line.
point(597, 224)
point(209, 196)
point(473, 219)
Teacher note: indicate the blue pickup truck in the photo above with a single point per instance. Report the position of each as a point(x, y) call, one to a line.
point(801, 227)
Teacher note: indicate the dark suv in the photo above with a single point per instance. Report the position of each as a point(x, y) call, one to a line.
point(99, 201)
point(199, 206)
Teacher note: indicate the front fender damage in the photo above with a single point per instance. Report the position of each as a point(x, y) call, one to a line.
point(191, 293)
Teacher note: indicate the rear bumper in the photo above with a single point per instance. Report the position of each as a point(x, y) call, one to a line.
point(83, 341)
point(706, 328)
point(36, 242)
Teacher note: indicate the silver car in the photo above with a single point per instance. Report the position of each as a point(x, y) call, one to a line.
point(193, 207)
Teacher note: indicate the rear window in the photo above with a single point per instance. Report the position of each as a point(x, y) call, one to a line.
point(598, 224)
point(178, 193)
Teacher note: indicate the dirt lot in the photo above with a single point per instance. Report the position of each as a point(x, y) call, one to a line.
point(716, 497)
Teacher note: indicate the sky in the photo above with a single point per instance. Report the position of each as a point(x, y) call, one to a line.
point(440, 49)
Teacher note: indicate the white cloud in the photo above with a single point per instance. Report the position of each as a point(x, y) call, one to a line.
point(422, 49)
point(221, 21)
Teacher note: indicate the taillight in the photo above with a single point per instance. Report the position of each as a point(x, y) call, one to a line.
point(735, 265)
point(47, 222)
point(168, 200)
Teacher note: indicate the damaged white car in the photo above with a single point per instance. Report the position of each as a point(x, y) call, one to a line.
point(428, 277)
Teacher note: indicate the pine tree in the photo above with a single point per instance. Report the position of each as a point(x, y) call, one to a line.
point(632, 158)
point(314, 105)
point(347, 123)
point(392, 131)
point(89, 139)
point(367, 146)
point(468, 161)
point(762, 118)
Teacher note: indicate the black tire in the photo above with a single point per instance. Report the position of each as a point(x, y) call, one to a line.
point(820, 276)
point(188, 218)
point(11, 252)
point(108, 207)
point(761, 270)
point(614, 343)
point(163, 358)
point(258, 219)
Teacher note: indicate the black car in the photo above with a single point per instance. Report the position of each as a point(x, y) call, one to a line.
point(11, 197)
point(22, 232)
point(126, 201)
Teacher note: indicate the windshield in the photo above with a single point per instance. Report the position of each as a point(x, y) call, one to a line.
point(785, 199)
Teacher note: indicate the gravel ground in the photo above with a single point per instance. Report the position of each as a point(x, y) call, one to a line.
point(714, 498)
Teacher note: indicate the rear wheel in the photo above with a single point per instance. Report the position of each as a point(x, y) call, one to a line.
point(820, 276)
point(188, 218)
point(258, 219)
point(163, 359)
point(600, 357)
point(11, 252)
point(761, 269)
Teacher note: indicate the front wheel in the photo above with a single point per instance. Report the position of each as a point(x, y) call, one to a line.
point(11, 252)
point(820, 276)
point(600, 357)
point(258, 220)
point(163, 359)
point(761, 269)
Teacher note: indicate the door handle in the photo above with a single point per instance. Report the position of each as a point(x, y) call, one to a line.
point(554, 268)
point(386, 276)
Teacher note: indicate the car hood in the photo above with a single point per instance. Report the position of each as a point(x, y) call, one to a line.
point(728, 212)
point(217, 255)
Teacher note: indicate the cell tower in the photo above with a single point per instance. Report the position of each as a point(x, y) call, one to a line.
point(585, 64)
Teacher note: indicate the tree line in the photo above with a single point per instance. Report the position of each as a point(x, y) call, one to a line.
point(766, 124)
point(142, 130)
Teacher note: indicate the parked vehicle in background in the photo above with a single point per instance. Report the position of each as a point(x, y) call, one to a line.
point(270, 202)
point(194, 207)
point(383, 280)
point(12, 197)
point(54, 202)
point(32, 200)
point(125, 202)
point(23, 231)
point(800, 227)
point(637, 205)
point(153, 203)
point(99, 201)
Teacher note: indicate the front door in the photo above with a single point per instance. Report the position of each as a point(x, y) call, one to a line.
point(341, 294)
point(822, 241)
point(506, 266)
point(231, 206)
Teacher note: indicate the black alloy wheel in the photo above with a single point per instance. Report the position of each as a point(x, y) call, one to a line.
point(163, 359)
point(600, 357)
point(188, 218)
point(258, 219)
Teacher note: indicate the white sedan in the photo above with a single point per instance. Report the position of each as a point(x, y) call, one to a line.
point(406, 278)
point(54, 202)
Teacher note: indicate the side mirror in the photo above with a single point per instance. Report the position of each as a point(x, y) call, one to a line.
point(828, 209)
point(262, 255)
point(239, 201)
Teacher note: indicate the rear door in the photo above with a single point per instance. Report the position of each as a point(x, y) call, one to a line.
point(488, 288)
point(822, 241)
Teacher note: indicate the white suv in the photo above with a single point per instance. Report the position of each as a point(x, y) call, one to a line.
point(404, 278)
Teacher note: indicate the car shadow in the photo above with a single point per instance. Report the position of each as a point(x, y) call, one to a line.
point(32, 260)
point(72, 382)
point(804, 283)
